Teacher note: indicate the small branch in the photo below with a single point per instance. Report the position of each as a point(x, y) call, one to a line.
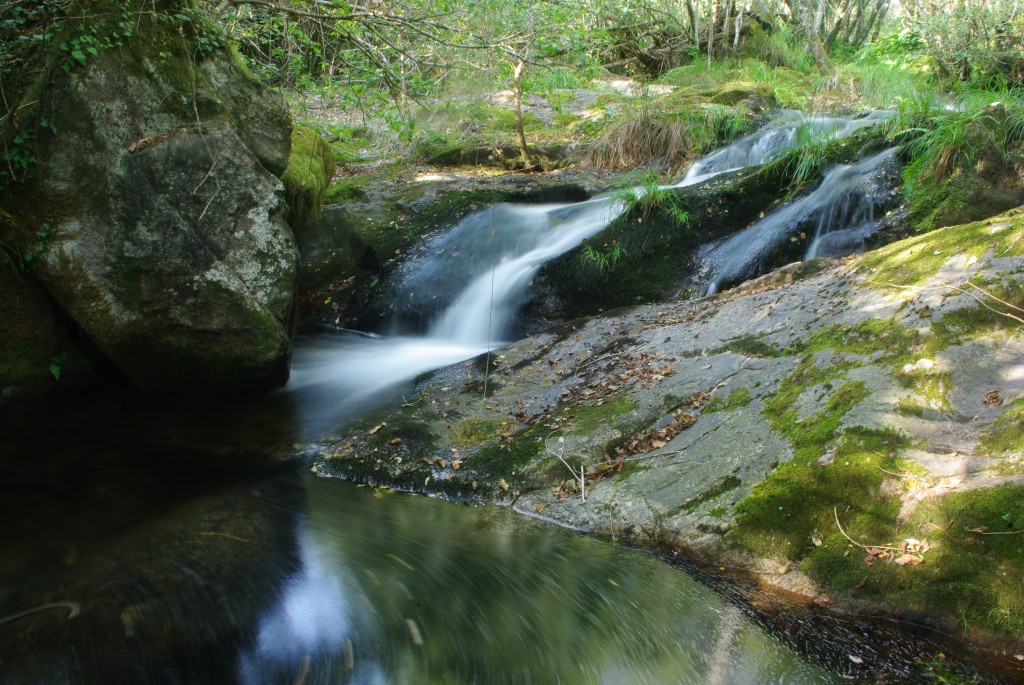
point(958, 289)
point(836, 512)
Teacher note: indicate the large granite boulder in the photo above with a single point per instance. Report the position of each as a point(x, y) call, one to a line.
point(156, 215)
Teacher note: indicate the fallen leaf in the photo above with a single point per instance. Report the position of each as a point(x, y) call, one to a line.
point(993, 398)
point(396, 441)
point(503, 485)
point(375, 429)
point(905, 559)
point(816, 538)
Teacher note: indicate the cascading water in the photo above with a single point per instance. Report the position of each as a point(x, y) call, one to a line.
point(787, 130)
point(461, 296)
point(491, 256)
point(835, 220)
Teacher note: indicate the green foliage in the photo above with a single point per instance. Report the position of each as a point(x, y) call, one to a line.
point(604, 260)
point(45, 235)
point(780, 47)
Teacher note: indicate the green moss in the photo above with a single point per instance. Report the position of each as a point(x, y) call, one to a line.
point(750, 345)
point(506, 460)
point(344, 191)
point(476, 430)
point(1007, 433)
point(722, 486)
point(779, 516)
point(586, 419)
point(865, 338)
point(971, 574)
point(309, 172)
point(914, 260)
point(737, 398)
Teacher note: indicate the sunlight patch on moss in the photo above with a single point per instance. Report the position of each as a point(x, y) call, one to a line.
point(914, 260)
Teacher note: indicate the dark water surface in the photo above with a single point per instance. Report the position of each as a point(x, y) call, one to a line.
point(157, 541)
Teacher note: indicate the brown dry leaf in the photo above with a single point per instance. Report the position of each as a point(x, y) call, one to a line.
point(993, 398)
point(456, 464)
point(905, 559)
point(396, 441)
point(503, 485)
point(375, 429)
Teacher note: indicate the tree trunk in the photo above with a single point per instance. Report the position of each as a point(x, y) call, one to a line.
point(517, 91)
point(694, 24)
point(817, 50)
point(711, 32)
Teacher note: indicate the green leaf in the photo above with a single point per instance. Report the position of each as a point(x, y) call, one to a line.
point(78, 55)
point(55, 370)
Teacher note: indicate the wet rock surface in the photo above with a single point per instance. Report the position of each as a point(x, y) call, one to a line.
point(688, 418)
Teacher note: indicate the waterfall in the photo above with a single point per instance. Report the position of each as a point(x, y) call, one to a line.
point(476, 274)
point(458, 296)
point(836, 219)
point(787, 130)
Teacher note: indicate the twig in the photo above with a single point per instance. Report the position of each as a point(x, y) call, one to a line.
point(995, 532)
point(836, 512)
point(960, 290)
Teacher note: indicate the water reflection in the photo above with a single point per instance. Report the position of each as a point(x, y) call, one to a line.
point(405, 589)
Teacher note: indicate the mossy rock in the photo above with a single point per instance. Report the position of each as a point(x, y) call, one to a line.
point(154, 217)
point(308, 174)
point(756, 97)
point(994, 184)
point(655, 245)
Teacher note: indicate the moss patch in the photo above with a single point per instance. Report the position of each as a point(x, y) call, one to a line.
point(750, 345)
point(736, 399)
point(586, 419)
point(914, 260)
point(781, 514)
point(309, 172)
point(971, 573)
point(1007, 433)
point(476, 430)
point(724, 485)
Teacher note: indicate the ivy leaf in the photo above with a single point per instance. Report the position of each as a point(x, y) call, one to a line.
point(79, 56)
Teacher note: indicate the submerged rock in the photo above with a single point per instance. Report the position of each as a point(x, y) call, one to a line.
point(155, 218)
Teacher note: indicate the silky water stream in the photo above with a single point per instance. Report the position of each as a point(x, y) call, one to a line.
point(142, 544)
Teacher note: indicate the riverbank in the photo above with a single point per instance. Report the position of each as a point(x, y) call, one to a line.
point(846, 431)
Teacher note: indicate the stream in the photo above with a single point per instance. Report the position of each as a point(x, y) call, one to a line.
point(162, 540)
